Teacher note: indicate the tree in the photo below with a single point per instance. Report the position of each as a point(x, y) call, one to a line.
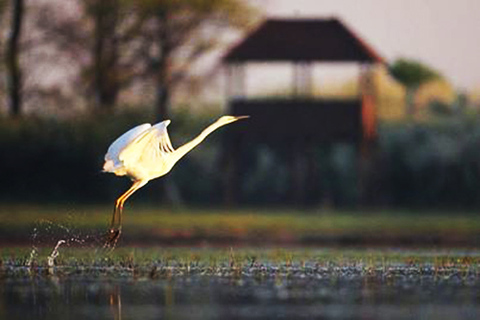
point(412, 74)
point(89, 40)
point(176, 34)
point(14, 74)
point(132, 41)
point(105, 52)
point(183, 31)
point(3, 6)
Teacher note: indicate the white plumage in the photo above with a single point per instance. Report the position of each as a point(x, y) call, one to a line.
point(144, 153)
point(112, 161)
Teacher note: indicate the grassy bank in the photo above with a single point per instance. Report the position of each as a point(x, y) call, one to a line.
point(249, 226)
point(265, 220)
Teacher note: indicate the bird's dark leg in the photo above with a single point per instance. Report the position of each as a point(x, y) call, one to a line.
point(115, 230)
point(117, 213)
point(114, 215)
point(116, 224)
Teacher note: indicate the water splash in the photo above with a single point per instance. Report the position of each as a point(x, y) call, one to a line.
point(51, 258)
point(32, 258)
point(47, 232)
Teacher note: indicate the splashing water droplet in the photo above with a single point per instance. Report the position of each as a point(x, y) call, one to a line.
point(47, 233)
point(51, 258)
point(33, 255)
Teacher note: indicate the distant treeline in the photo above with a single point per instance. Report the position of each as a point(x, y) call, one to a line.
point(435, 165)
point(428, 165)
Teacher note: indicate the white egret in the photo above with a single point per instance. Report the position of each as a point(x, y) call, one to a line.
point(145, 153)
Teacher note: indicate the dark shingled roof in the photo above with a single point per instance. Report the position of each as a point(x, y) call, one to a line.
point(300, 40)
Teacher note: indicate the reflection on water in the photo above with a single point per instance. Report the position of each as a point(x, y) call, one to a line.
point(304, 292)
point(116, 304)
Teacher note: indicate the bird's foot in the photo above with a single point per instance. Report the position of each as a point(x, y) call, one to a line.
point(112, 237)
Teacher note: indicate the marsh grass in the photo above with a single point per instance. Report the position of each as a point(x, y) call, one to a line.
point(152, 263)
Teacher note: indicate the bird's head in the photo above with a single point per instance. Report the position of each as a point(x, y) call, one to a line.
point(108, 166)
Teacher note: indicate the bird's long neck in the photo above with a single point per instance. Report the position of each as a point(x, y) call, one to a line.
point(183, 150)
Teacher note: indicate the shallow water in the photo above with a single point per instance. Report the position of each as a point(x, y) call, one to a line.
point(255, 291)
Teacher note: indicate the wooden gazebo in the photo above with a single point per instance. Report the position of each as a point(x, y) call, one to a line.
point(301, 119)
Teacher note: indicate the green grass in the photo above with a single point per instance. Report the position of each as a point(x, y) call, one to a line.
point(305, 221)
point(215, 227)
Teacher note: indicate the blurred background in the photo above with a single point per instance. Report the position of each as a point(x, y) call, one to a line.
point(353, 188)
point(75, 74)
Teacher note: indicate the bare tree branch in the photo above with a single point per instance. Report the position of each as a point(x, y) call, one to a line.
point(12, 59)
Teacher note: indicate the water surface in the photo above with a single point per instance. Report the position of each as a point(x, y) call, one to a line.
point(254, 290)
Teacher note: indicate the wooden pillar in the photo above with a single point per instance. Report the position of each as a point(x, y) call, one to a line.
point(313, 177)
point(298, 173)
point(231, 150)
point(302, 79)
point(369, 134)
point(367, 96)
point(231, 171)
point(235, 81)
point(300, 168)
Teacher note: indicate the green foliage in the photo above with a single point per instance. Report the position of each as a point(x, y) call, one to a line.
point(3, 6)
point(412, 73)
point(440, 108)
point(47, 159)
point(415, 165)
point(198, 6)
point(135, 43)
point(429, 165)
point(61, 160)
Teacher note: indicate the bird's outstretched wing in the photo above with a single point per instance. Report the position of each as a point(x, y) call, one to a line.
point(123, 141)
point(161, 134)
point(148, 147)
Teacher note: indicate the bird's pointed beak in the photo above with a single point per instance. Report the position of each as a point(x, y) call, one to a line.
point(229, 119)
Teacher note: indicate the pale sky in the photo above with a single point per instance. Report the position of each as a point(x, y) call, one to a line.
point(445, 34)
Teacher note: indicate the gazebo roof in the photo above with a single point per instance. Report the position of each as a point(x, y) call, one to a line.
point(303, 40)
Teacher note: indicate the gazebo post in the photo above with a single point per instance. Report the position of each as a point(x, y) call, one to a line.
point(302, 79)
point(235, 80)
point(368, 97)
point(235, 89)
point(301, 159)
point(298, 172)
point(230, 170)
point(369, 133)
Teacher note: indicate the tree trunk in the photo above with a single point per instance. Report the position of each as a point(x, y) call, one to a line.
point(162, 79)
point(162, 100)
point(410, 102)
point(105, 51)
point(14, 73)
